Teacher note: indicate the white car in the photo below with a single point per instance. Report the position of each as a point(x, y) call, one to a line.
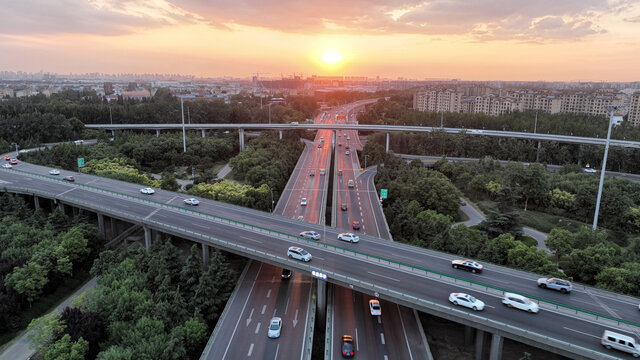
point(350, 237)
point(298, 253)
point(590, 170)
point(7, 166)
point(54, 172)
point(275, 325)
point(303, 202)
point(191, 201)
point(310, 235)
point(374, 307)
point(520, 302)
point(466, 300)
point(147, 191)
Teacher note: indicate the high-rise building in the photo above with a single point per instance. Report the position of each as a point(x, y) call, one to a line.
point(634, 109)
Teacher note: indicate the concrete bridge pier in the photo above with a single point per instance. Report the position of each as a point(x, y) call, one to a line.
point(538, 152)
point(147, 237)
point(468, 335)
point(157, 132)
point(101, 225)
point(205, 256)
point(113, 133)
point(75, 211)
point(496, 347)
point(479, 344)
point(61, 207)
point(114, 227)
point(280, 133)
point(322, 300)
point(36, 202)
point(241, 136)
point(204, 133)
point(387, 147)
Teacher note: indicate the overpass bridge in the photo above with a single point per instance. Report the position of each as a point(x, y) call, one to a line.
point(414, 277)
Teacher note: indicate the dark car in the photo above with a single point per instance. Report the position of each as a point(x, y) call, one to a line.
point(69, 178)
point(468, 265)
point(343, 207)
point(347, 346)
point(355, 225)
point(286, 273)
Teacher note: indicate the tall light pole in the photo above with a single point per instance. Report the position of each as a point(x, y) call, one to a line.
point(604, 165)
point(365, 161)
point(442, 119)
point(184, 137)
point(110, 115)
point(535, 125)
point(270, 113)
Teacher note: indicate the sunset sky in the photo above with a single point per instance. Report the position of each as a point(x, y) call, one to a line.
point(466, 39)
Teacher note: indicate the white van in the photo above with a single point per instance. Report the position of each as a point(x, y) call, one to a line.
point(613, 340)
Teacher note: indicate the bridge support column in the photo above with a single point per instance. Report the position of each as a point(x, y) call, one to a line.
point(387, 147)
point(322, 299)
point(280, 134)
point(61, 207)
point(101, 224)
point(113, 133)
point(205, 256)
point(496, 347)
point(538, 152)
point(147, 237)
point(241, 136)
point(157, 236)
point(75, 211)
point(204, 133)
point(114, 227)
point(479, 344)
point(468, 335)
point(157, 132)
point(36, 202)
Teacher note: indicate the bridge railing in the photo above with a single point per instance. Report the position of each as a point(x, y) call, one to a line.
point(432, 274)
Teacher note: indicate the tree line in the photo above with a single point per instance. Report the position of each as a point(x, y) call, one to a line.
point(147, 304)
point(38, 253)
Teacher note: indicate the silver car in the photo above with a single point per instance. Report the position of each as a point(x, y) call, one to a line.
point(350, 237)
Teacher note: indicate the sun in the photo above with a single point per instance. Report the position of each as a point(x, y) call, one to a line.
point(331, 57)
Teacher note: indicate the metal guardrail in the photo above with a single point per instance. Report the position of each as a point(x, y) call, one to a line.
point(388, 262)
point(424, 303)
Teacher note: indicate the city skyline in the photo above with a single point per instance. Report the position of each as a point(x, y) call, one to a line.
point(487, 40)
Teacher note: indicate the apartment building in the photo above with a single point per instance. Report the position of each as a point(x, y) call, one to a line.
point(504, 101)
point(634, 109)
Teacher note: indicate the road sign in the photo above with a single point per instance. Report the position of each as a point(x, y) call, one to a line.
point(80, 162)
point(319, 275)
point(383, 193)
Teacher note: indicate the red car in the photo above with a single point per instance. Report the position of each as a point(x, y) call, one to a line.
point(343, 207)
point(355, 225)
point(69, 178)
point(7, 157)
point(13, 162)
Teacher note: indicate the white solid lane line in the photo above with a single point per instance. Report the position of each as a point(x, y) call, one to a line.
point(383, 276)
point(583, 333)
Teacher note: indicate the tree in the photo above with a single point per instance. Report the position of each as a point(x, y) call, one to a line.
point(585, 265)
point(44, 330)
point(191, 272)
point(559, 241)
point(28, 280)
point(430, 225)
point(497, 249)
point(530, 259)
point(501, 223)
point(84, 325)
point(623, 279)
point(66, 349)
point(194, 335)
point(169, 182)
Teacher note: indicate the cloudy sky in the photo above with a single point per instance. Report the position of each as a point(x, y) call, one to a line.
point(466, 39)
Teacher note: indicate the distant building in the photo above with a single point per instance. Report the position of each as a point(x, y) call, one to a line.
point(139, 95)
point(634, 110)
point(108, 88)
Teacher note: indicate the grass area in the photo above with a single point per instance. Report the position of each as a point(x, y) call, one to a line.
point(529, 241)
point(545, 222)
point(218, 166)
point(45, 305)
point(487, 206)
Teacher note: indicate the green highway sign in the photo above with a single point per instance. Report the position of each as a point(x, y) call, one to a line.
point(383, 193)
point(80, 162)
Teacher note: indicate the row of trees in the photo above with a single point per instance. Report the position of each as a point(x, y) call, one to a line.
point(38, 253)
point(146, 305)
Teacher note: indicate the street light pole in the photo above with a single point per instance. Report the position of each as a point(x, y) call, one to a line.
point(442, 119)
point(604, 165)
point(365, 161)
point(184, 137)
point(535, 125)
point(269, 113)
point(271, 190)
point(110, 115)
